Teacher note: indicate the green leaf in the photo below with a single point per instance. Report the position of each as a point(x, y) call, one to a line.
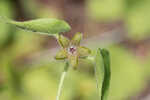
point(102, 72)
point(44, 26)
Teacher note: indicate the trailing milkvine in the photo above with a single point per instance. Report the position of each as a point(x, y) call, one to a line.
point(71, 51)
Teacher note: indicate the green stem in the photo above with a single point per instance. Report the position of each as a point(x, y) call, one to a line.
point(56, 36)
point(62, 81)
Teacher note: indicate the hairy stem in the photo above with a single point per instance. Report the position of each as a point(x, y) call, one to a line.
point(62, 81)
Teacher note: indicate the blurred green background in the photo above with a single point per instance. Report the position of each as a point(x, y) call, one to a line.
point(28, 70)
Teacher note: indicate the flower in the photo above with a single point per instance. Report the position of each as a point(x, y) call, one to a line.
point(72, 50)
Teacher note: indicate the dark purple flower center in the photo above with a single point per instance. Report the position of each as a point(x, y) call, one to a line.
point(72, 49)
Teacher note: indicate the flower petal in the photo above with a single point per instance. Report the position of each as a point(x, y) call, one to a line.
point(62, 54)
point(77, 38)
point(73, 61)
point(64, 41)
point(83, 51)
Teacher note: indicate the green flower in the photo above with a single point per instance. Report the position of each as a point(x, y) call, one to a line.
point(72, 50)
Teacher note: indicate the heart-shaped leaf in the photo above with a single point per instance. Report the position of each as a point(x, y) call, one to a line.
point(102, 72)
point(44, 26)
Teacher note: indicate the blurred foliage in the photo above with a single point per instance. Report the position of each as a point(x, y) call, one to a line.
point(134, 13)
point(6, 31)
point(127, 74)
point(38, 10)
point(105, 9)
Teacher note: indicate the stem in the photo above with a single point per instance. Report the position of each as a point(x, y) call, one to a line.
point(56, 36)
point(60, 85)
point(62, 81)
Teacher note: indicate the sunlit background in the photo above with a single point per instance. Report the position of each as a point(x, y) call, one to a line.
point(28, 70)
